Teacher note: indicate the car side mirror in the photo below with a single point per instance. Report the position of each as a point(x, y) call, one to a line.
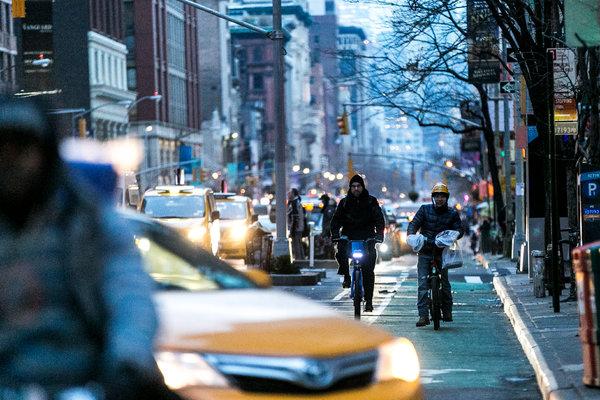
point(254, 218)
point(215, 215)
point(260, 278)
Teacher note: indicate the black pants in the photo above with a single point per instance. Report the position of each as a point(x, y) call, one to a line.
point(368, 267)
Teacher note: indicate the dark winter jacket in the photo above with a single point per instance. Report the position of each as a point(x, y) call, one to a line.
point(359, 218)
point(431, 221)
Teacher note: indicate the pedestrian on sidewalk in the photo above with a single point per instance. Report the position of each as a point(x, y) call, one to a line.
point(474, 239)
point(327, 210)
point(430, 220)
point(295, 216)
point(485, 239)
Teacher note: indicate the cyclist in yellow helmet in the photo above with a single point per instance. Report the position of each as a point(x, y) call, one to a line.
point(430, 220)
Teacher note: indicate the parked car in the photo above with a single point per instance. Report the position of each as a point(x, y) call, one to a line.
point(225, 334)
point(190, 210)
point(384, 249)
point(399, 245)
point(236, 215)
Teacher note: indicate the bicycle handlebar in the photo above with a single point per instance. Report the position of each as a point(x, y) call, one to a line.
point(345, 239)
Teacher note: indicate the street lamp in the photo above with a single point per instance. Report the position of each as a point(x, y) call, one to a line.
point(75, 117)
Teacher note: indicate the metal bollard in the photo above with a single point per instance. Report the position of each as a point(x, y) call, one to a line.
point(538, 273)
point(311, 246)
point(523, 259)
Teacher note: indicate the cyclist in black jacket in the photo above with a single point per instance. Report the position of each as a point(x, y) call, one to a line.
point(360, 218)
point(432, 219)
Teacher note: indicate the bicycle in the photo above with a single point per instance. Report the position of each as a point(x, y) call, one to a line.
point(357, 251)
point(435, 292)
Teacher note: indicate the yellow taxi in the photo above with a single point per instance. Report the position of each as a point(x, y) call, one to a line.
point(237, 214)
point(190, 210)
point(225, 334)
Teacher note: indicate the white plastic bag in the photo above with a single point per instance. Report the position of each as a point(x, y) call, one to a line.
point(446, 238)
point(452, 257)
point(416, 242)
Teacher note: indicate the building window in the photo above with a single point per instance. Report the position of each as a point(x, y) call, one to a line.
point(131, 79)
point(258, 82)
point(257, 54)
point(177, 100)
point(176, 42)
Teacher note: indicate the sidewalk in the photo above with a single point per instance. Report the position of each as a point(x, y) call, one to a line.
point(550, 340)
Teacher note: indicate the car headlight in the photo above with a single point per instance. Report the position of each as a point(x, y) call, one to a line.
point(188, 369)
point(239, 231)
point(196, 233)
point(383, 247)
point(398, 360)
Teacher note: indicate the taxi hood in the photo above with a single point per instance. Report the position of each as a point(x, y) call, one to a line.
point(264, 322)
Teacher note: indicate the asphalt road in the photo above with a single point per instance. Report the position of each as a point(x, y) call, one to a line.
point(475, 357)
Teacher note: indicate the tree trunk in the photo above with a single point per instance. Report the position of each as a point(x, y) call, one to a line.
point(488, 134)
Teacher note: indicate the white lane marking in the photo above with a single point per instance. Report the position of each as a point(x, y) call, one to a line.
point(370, 318)
point(473, 279)
point(345, 292)
point(427, 375)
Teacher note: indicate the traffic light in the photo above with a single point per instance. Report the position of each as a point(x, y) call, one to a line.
point(203, 175)
point(342, 123)
point(82, 127)
point(18, 8)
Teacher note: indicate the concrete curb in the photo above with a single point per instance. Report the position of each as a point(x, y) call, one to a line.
point(304, 279)
point(317, 263)
point(545, 378)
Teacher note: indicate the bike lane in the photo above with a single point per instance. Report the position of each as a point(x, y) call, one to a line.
point(477, 356)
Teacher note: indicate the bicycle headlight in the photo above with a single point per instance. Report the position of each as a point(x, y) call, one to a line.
point(188, 369)
point(357, 254)
point(196, 233)
point(384, 248)
point(398, 360)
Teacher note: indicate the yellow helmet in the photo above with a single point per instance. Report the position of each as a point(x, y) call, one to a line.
point(440, 188)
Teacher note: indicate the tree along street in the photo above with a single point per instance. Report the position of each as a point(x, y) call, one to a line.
point(475, 357)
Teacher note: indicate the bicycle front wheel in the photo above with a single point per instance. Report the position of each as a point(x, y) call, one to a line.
point(357, 286)
point(436, 302)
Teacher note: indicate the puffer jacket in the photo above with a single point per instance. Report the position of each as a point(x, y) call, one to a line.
point(359, 218)
point(431, 221)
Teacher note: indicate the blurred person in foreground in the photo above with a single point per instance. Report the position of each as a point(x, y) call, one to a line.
point(430, 220)
point(76, 306)
point(359, 217)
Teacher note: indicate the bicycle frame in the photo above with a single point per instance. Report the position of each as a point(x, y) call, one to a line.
point(435, 292)
point(358, 252)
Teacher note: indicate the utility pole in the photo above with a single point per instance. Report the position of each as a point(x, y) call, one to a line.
point(281, 246)
point(507, 238)
point(549, 33)
point(520, 139)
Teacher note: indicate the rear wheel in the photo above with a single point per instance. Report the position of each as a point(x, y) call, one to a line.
point(357, 287)
point(435, 302)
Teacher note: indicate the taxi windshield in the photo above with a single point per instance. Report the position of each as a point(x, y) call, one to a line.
point(232, 209)
point(174, 206)
point(173, 272)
